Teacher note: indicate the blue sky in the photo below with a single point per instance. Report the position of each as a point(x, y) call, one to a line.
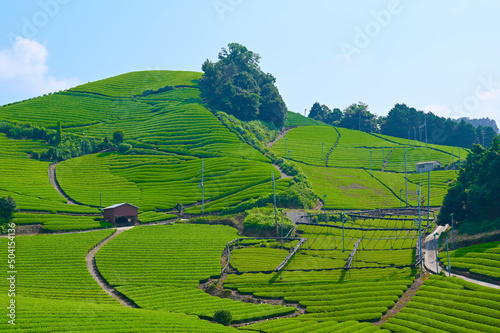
point(439, 56)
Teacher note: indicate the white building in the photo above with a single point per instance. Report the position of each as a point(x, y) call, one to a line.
point(428, 166)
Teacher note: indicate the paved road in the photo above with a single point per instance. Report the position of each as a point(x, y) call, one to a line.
point(429, 253)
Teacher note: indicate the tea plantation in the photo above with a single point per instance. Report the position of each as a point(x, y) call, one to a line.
point(356, 274)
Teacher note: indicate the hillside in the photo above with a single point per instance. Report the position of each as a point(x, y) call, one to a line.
point(171, 132)
point(359, 170)
point(353, 272)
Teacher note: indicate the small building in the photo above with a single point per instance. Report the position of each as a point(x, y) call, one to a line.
point(428, 166)
point(121, 213)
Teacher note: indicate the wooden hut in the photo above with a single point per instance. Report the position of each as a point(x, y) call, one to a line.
point(122, 210)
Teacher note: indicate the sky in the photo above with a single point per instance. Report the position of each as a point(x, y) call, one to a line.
point(437, 56)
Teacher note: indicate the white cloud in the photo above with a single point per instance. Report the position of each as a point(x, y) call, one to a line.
point(24, 70)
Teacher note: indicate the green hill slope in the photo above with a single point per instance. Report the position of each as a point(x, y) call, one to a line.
point(170, 130)
point(366, 171)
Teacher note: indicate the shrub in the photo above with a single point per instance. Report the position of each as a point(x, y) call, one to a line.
point(223, 317)
point(118, 136)
point(123, 147)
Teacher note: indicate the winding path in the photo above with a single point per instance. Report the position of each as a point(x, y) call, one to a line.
point(92, 267)
point(430, 259)
point(53, 181)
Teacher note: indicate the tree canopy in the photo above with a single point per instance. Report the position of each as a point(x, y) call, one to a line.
point(236, 85)
point(406, 122)
point(474, 199)
point(7, 207)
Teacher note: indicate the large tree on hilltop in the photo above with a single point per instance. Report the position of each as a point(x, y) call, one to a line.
point(236, 85)
point(357, 116)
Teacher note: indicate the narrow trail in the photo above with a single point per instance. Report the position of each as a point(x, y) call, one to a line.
point(334, 145)
point(280, 136)
point(403, 300)
point(429, 254)
point(92, 267)
point(283, 174)
point(53, 181)
point(387, 159)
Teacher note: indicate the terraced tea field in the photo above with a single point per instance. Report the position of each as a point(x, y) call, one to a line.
point(47, 316)
point(446, 304)
point(159, 182)
point(54, 267)
point(366, 171)
point(482, 259)
point(164, 272)
point(347, 188)
point(307, 144)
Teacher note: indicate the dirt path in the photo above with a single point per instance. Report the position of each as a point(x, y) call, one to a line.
point(92, 267)
point(334, 145)
point(280, 136)
point(403, 300)
point(53, 181)
point(283, 174)
point(387, 159)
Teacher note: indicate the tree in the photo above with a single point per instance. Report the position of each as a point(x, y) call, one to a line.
point(236, 85)
point(223, 317)
point(7, 207)
point(357, 116)
point(474, 199)
point(58, 133)
point(118, 136)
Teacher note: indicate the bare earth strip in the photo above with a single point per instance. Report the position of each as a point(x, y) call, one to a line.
point(53, 181)
point(92, 267)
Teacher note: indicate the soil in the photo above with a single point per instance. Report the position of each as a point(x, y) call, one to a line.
point(92, 267)
point(403, 300)
point(53, 181)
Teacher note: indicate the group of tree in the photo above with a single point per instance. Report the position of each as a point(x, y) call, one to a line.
point(7, 207)
point(236, 85)
point(474, 199)
point(407, 122)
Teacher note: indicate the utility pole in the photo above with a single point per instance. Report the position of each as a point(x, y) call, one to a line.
point(371, 152)
point(437, 262)
point(452, 232)
point(459, 158)
point(406, 181)
point(409, 142)
point(428, 195)
point(448, 253)
point(100, 202)
point(83, 143)
point(324, 207)
point(359, 124)
point(420, 240)
point(289, 154)
point(202, 184)
point(305, 117)
point(275, 213)
point(343, 239)
point(286, 141)
point(425, 123)
point(282, 239)
point(415, 134)
point(418, 198)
